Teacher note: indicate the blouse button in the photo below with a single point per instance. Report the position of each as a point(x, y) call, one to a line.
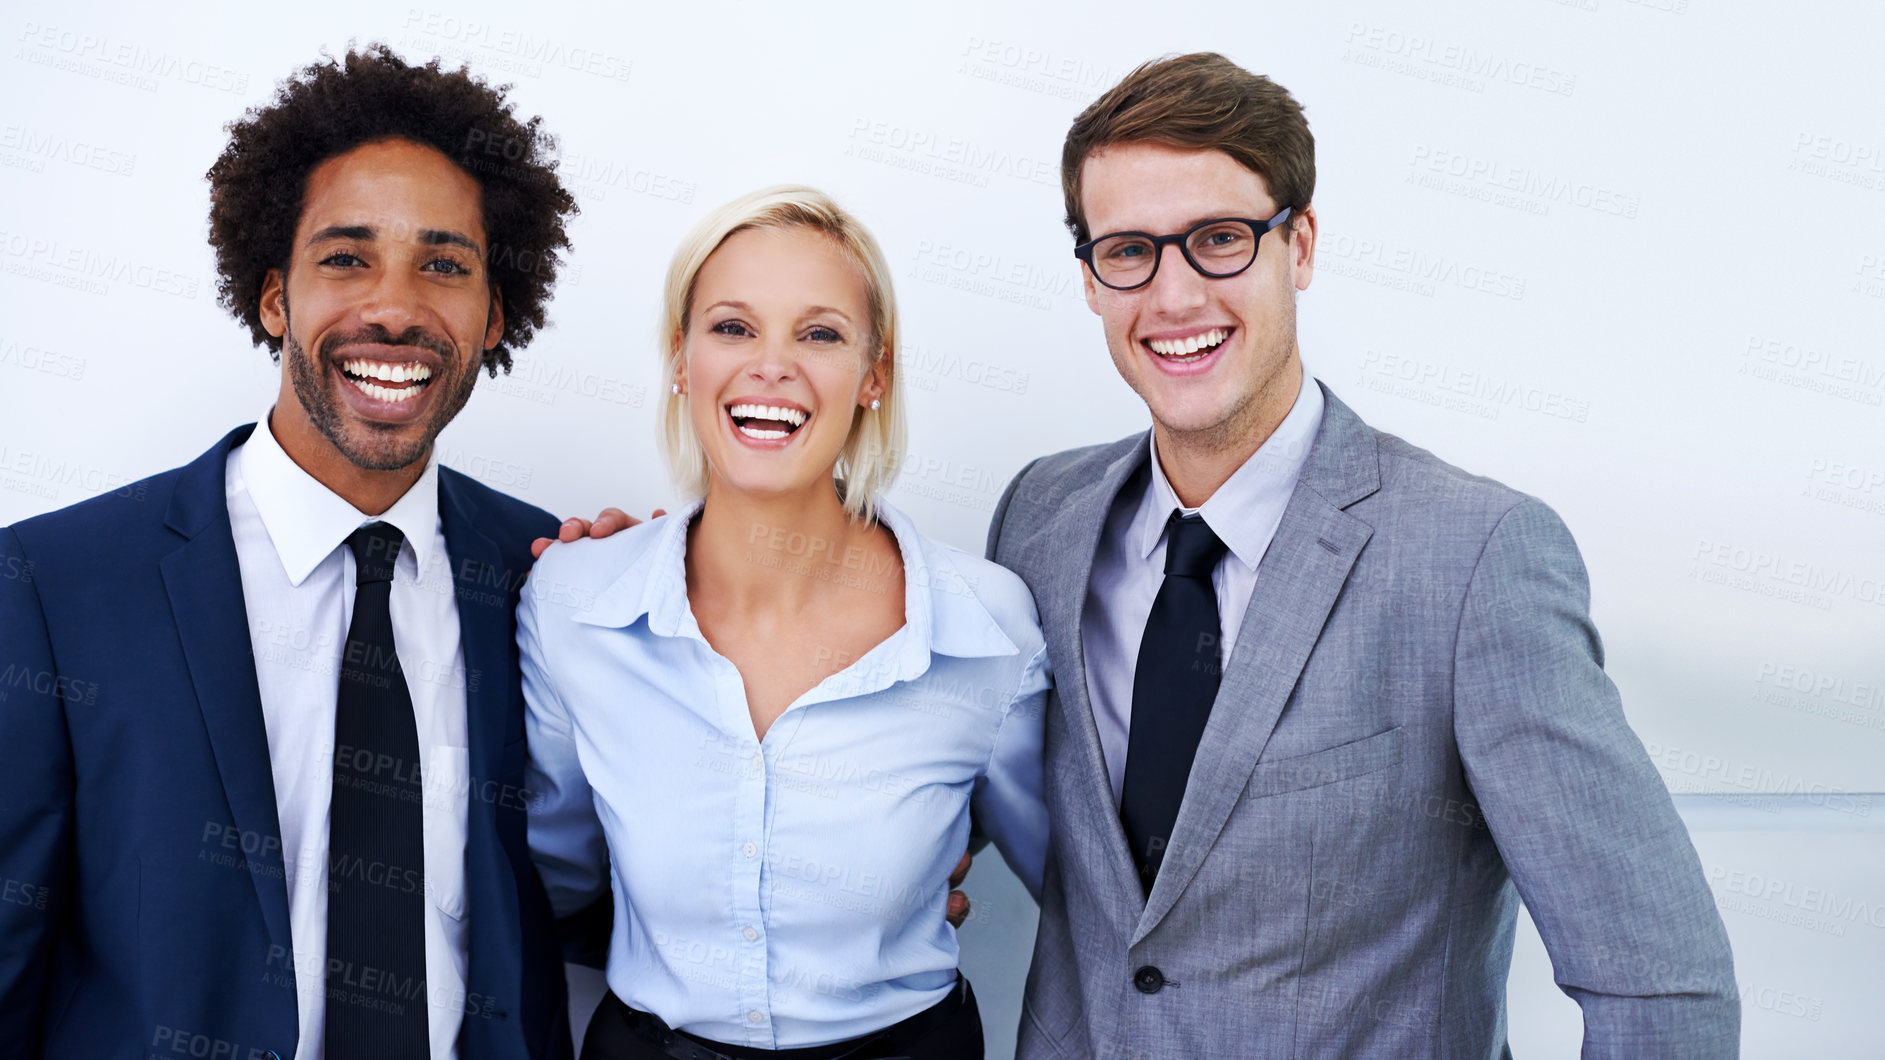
point(756, 1016)
point(751, 934)
point(749, 850)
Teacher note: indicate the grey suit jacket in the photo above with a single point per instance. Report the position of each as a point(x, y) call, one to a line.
point(1413, 731)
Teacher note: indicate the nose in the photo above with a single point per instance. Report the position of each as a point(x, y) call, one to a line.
point(396, 301)
point(1177, 288)
point(775, 359)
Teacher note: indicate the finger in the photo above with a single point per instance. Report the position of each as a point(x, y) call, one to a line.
point(611, 520)
point(572, 529)
point(537, 547)
point(958, 908)
point(658, 513)
point(962, 870)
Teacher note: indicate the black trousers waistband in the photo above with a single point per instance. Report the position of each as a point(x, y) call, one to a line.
point(951, 1029)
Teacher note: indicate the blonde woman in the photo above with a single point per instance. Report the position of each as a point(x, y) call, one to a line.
point(764, 720)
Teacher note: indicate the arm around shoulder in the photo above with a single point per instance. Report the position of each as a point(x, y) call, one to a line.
point(1581, 818)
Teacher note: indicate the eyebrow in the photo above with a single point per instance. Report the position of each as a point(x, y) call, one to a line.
point(809, 310)
point(432, 237)
point(1185, 227)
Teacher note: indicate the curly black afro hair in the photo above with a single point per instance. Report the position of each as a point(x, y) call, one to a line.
point(331, 107)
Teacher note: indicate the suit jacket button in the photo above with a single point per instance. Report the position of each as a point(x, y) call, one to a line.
point(1149, 980)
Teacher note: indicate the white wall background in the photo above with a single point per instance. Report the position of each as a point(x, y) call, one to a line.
point(1627, 255)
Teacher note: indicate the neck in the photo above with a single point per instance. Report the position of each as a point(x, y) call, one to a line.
point(1197, 463)
point(756, 550)
point(372, 492)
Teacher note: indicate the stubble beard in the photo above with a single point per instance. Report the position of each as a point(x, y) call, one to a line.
point(370, 446)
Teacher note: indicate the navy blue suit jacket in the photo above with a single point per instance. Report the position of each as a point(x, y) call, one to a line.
point(143, 910)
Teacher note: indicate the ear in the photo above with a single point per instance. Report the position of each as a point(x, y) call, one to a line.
point(494, 323)
point(876, 380)
point(677, 345)
point(1302, 247)
point(1090, 286)
point(273, 309)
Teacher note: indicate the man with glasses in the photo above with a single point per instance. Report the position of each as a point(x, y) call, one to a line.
point(1326, 706)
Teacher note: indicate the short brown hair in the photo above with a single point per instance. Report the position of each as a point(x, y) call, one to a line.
point(1201, 100)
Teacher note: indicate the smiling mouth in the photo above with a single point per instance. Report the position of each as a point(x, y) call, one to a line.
point(1195, 348)
point(766, 423)
point(393, 381)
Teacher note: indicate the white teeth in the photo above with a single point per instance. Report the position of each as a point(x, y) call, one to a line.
point(795, 417)
point(392, 373)
point(755, 432)
point(386, 393)
point(1187, 346)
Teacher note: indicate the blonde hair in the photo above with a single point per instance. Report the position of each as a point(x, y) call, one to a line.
point(873, 451)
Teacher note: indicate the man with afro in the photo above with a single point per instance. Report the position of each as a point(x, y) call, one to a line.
point(264, 751)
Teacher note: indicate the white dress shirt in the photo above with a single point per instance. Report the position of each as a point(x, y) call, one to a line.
point(789, 891)
point(1129, 564)
point(298, 585)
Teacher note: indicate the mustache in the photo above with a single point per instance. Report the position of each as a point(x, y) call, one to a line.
point(380, 335)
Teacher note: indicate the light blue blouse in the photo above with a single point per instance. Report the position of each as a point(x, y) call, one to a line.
point(787, 892)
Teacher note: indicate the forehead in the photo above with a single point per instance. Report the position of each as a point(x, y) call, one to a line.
point(1154, 188)
point(395, 186)
point(785, 265)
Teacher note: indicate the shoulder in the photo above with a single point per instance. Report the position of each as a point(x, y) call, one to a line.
point(1424, 498)
point(103, 528)
point(1416, 484)
point(501, 516)
point(591, 573)
point(1062, 472)
point(979, 603)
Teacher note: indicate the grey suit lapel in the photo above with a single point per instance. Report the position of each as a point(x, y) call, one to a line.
point(1067, 548)
point(1308, 561)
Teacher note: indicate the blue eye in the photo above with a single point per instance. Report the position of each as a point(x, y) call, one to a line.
point(452, 268)
point(730, 327)
point(334, 259)
point(824, 334)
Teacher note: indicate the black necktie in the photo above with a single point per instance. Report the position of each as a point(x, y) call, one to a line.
point(376, 991)
point(1172, 689)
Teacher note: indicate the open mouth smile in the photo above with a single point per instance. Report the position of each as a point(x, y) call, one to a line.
point(394, 382)
point(1191, 349)
point(766, 423)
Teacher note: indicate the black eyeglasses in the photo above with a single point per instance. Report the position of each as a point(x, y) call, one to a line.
point(1219, 248)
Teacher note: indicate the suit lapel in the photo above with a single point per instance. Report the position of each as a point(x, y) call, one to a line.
point(485, 610)
point(204, 581)
point(1065, 559)
point(484, 588)
point(1298, 580)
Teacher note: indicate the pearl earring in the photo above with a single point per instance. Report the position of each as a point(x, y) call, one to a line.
point(875, 404)
point(674, 387)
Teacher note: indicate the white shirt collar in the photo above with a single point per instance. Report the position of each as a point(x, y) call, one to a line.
point(1245, 510)
point(942, 609)
point(306, 521)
